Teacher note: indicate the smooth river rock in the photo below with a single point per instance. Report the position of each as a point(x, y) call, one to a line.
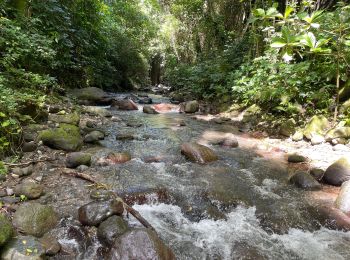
point(296, 158)
point(343, 200)
point(338, 172)
point(95, 212)
point(140, 244)
point(149, 110)
point(124, 104)
point(316, 125)
point(198, 153)
point(305, 181)
point(111, 228)
point(35, 219)
point(94, 136)
point(29, 188)
point(76, 159)
point(23, 248)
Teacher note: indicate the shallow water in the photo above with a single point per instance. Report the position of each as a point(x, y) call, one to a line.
point(240, 207)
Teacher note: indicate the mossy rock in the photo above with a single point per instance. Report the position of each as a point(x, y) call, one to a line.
point(72, 119)
point(316, 125)
point(90, 94)
point(66, 137)
point(288, 127)
point(76, 159)
point(338, 172)
point(6, 229)
point(35, 219)
point(340, 132)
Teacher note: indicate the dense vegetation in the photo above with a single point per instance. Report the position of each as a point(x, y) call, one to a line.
point(289, 57)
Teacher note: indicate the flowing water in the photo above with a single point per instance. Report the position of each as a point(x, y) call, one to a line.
point(240, 207)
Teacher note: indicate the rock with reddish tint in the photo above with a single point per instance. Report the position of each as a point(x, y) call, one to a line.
point(305, 181)
point(338, 172)
point(95, 212)
point(124, 104)
point(140, 244)
point(198, 153)
point(343, 200)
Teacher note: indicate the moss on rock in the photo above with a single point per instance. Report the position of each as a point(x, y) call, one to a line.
point(6, 229)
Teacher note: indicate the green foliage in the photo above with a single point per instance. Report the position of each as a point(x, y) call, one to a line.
point(3, 169)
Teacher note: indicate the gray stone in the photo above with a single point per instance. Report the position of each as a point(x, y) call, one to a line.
point(6, 229)
point(71, 119)
point(78, 158)
point(94, 137)
point(23, 171)
point(140, 244)
point(317, 173)
point(29, 147)
point(95, 212)
point(35, 219)
point(305, 181)
point(338, 172)
point(111, 228)
point(50, 244)
point(149, 110)
point(317, 139)
point(288, 127)
point(29, 188)
point(23, 248)
point(296, 158)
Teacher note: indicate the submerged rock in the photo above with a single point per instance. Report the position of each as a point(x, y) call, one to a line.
point(316, 125)
point(124, 104)
point(140, 244)
point(296, 158)
point(95, 212)
point(149, 110)
point(338, 172)
point(29, 188)
point(6, 229)
point(198, 153)
point(305, 181)
point(110, 229)
point(343, 200)
point(23, 248)
point(50, 244)
point(78, 158)
point(35, 219)
point(66, 137)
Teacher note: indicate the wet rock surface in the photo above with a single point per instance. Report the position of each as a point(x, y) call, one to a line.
point(140, 244)
point(23, 247)
point(338, 172)
point(35, 219)
point(110, 229)
point(198, 153)
point(305, 181)
point(94, 213)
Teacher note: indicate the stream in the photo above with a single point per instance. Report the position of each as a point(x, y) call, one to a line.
point(239, 207)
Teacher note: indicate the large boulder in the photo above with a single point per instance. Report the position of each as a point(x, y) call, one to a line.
point(305, 181)
point(23, 248)
point(95, 212)
point(71, 119)
point(92, 95)
point(287, 128)
point(343, 200)
point(339, 132)
point(316, 125)
point(35, 219)
point(29, 188)
point(66, 137)
point(124, 104)
point(78, 158)
point(110, 229)
point(189, 107)
point(140, 244)
point(338, 172)
point(198, 153)
point(6, 229)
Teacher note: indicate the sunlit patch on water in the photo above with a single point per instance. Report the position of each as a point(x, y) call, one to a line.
point(239, 236)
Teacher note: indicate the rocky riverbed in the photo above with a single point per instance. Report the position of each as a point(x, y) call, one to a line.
point(211, 187)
